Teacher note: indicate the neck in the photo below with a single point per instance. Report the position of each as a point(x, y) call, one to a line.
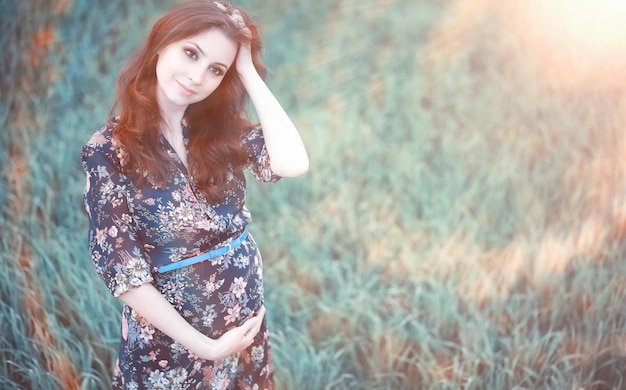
point(172, 116)
point(171, 125)
point(172, 130)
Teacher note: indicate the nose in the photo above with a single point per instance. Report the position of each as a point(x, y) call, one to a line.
point(195, 74)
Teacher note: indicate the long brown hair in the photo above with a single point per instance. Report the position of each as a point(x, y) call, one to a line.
point(215, 123)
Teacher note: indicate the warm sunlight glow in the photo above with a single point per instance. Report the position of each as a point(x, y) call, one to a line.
point(596, 23)
point(577, 40)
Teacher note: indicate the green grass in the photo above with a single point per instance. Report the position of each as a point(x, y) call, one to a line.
point(462, 225)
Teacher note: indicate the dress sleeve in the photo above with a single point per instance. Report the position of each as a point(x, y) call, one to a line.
point(115, 249)
point(258, 159)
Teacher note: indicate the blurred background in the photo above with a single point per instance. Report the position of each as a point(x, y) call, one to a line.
point(462, 225)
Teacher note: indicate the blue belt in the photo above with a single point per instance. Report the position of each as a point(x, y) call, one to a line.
point(213, 253)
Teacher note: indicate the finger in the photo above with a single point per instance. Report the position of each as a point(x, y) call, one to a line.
point(257, 328)
point(249, 324)
point(252, 326)
point(260, 315)
point(249, 336)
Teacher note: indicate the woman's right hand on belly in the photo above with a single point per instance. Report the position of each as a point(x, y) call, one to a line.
point(233, 341)
point(150, 304)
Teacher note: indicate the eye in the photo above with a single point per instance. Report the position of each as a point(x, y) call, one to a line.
point(191, 54)
point(216, 71)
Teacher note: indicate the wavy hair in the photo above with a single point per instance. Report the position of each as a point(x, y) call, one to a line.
point(215, 124)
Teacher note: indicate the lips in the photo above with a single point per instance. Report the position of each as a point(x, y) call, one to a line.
point(184, 89)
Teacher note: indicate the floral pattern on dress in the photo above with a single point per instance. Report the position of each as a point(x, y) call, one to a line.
point(136, 228)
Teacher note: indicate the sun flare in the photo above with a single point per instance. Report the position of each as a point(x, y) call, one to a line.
point(598, 24)
point(576, 41)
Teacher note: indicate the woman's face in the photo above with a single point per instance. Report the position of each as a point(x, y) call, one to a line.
point(189, 70)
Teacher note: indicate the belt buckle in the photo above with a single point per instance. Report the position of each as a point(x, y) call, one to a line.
point(230, 247)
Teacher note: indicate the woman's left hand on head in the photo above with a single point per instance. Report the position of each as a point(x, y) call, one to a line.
point(244, 60)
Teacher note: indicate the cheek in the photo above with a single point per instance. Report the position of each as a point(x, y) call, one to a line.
point(211, 85)
point(160, 71)
point(166, 65)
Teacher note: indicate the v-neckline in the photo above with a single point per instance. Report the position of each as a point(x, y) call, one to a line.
point(172, 150)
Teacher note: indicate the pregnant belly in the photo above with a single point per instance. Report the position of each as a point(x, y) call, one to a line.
point(218, 294)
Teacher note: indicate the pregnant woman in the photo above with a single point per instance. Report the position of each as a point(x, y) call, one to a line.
point(165, 195)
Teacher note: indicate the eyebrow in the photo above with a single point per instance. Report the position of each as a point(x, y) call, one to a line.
point(202, 52)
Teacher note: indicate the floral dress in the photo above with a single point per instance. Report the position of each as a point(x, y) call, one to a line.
point(135, 229)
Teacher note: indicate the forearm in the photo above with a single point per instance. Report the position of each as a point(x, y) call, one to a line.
point(288, 156)
point(151, 305)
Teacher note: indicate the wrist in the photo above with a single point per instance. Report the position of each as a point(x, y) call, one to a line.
point(200, 345)
point(211, 347)
point(248, 74)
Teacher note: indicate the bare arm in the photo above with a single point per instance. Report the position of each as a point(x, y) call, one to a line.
point(151, 305)
point(288, 157)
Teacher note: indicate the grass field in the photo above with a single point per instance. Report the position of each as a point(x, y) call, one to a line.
point(462, 226)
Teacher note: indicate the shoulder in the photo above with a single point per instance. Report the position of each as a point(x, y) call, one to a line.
point(103, 144)
point(103, 137)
